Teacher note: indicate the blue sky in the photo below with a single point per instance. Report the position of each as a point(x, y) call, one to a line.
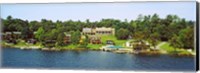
point(97, 11)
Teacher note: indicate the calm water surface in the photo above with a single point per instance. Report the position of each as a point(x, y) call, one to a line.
point(95, 60)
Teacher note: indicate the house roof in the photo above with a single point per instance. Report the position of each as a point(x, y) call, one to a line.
point(97, 29)
point(8, 33)
point(87, 29)
point(67, 34)
point(104, 29)
point(93, 36)
point(17, 33)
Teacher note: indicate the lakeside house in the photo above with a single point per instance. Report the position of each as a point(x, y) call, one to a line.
point(139, 46)
point(105, 31)
point(95, 39)
point(11, 37)
point(67, 38)
point(3, 36)
point(88, 31)
point(94, 34)
point(6, 35)
point(130, 43)
point(17, 35)
point(98, 31)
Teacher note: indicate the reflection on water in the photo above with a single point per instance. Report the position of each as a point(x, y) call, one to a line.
point(96, 60)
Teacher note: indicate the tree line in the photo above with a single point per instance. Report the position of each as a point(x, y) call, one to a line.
point(178, 31)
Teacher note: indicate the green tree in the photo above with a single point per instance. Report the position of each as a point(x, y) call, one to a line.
point(154, 39)
point(187, 37)
point(75, 37)
point(176, 43)
point(40, 34)
point(122, 33)
point(139, 35)
point(145, 27)
point(60, 39)
point(53, 34)
point(34, 25)
point(85, 42)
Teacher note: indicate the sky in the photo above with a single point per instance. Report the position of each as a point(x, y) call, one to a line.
point(97, 11)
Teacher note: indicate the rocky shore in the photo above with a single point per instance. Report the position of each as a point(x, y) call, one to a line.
point(147, 53)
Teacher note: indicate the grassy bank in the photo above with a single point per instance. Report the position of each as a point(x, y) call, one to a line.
point(21, 44)
point(112, 37)
point(94, 46)
point(171, 50)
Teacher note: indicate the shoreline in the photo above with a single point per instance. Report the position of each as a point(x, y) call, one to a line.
point(144, 53)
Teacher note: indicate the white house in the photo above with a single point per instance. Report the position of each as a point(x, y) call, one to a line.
point(99, 31)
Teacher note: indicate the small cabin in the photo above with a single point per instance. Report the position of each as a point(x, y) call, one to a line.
point(7, 35)
point(139, 45)
point(11, 37)
point(98, 31)
point(17, 35)
point(105, 31)
point(67, 38)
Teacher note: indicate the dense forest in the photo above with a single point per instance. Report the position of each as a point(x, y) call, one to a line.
point(178, 31)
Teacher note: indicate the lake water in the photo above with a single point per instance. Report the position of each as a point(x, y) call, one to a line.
point(92, 60)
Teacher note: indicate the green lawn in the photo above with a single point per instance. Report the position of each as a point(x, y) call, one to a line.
point(167, 47)
point(94, 46)
point(23, 43)
point(70, 46)
point(171, 49)
point(112, 37)
point(3, 43)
